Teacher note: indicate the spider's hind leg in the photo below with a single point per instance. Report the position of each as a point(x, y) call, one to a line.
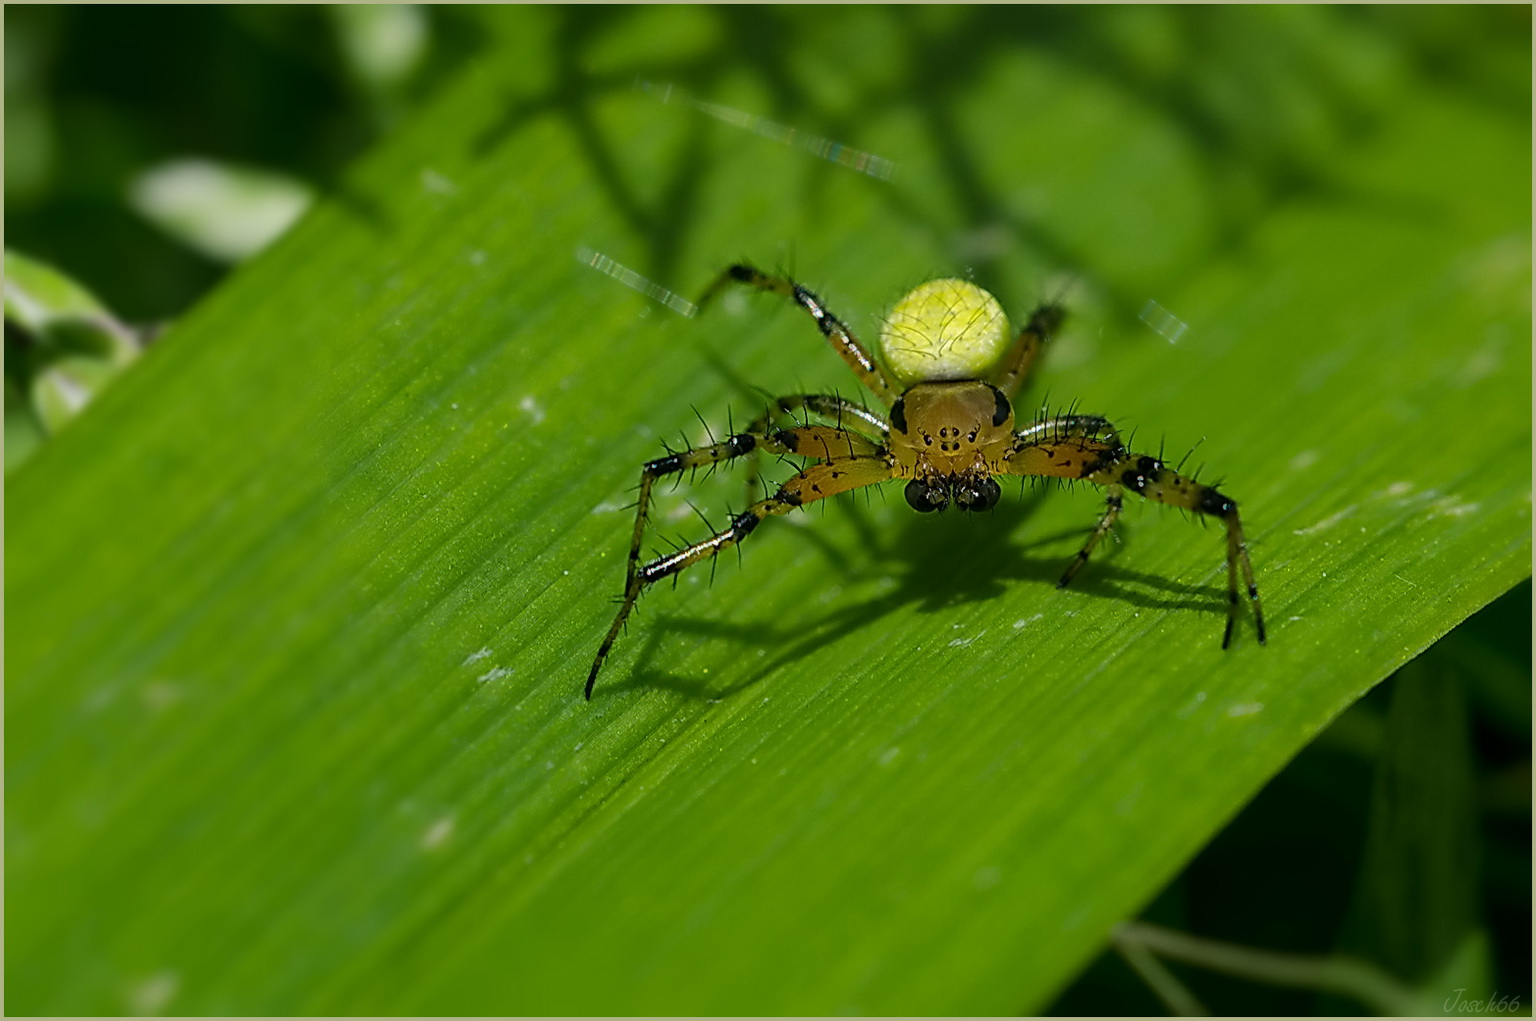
point(1015, 366)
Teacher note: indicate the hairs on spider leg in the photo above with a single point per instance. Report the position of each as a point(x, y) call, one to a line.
point(1180, 466)
point(707, 430)
point(700, 514)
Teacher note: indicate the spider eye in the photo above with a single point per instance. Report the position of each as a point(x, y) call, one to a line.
point(924, 498)
point(978, 496)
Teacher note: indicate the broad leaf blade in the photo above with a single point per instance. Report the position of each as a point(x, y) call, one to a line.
point(301, 609)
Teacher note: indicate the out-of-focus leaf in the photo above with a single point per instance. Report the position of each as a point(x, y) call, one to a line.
point(228, 213)
point(66, 349)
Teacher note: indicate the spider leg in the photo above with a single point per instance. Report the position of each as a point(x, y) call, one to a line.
point(1088, 447)
point(1014, 368)
point(849, 461)
point(841, 339)
point(841, 411)
point(1113, 504)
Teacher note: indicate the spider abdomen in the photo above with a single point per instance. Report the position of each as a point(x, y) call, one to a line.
point(944, 330)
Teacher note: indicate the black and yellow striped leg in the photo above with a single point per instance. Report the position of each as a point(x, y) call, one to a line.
point(1014, 369)
point(1113, 503)
point(1155, 481)
point(840, 411)
point(841, 338)
point(1237, 557)
point(842, 471)
point(1088, 447)
point(1149, 477)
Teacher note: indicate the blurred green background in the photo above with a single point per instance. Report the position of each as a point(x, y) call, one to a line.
point(98, 113)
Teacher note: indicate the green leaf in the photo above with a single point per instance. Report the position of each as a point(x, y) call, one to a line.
point(300, 610)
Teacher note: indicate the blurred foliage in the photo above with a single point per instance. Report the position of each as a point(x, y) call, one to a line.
point(302, 92)
point(62, 348)
point(148, 185)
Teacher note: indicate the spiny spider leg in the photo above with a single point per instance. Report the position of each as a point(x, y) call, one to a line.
point(1113, 503)
point(839, 409)
point(1088, 447)
point(832, 406)
point(849, 461)
point(1013, 370)
point(866, 368)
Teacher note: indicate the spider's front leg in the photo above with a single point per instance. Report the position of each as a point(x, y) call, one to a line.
point(849, 461)
point(1088, 447)
point(841, 338)
point(841, 412)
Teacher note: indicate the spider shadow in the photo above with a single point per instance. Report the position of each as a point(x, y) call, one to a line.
point(939, 563)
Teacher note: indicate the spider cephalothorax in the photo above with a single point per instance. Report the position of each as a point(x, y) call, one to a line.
point(952, 367)
point(949, 438)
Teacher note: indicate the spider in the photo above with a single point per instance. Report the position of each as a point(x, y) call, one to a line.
point(952, 367)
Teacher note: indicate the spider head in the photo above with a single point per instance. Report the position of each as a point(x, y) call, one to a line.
point(969, 492)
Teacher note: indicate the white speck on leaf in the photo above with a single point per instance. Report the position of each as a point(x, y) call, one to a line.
point(153, 994)
point(1450, 506)
point(161, 695)
point(475, 657)
point(437, 183)
point(1303, 460)
point(438, 833)
point(1327, 522)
